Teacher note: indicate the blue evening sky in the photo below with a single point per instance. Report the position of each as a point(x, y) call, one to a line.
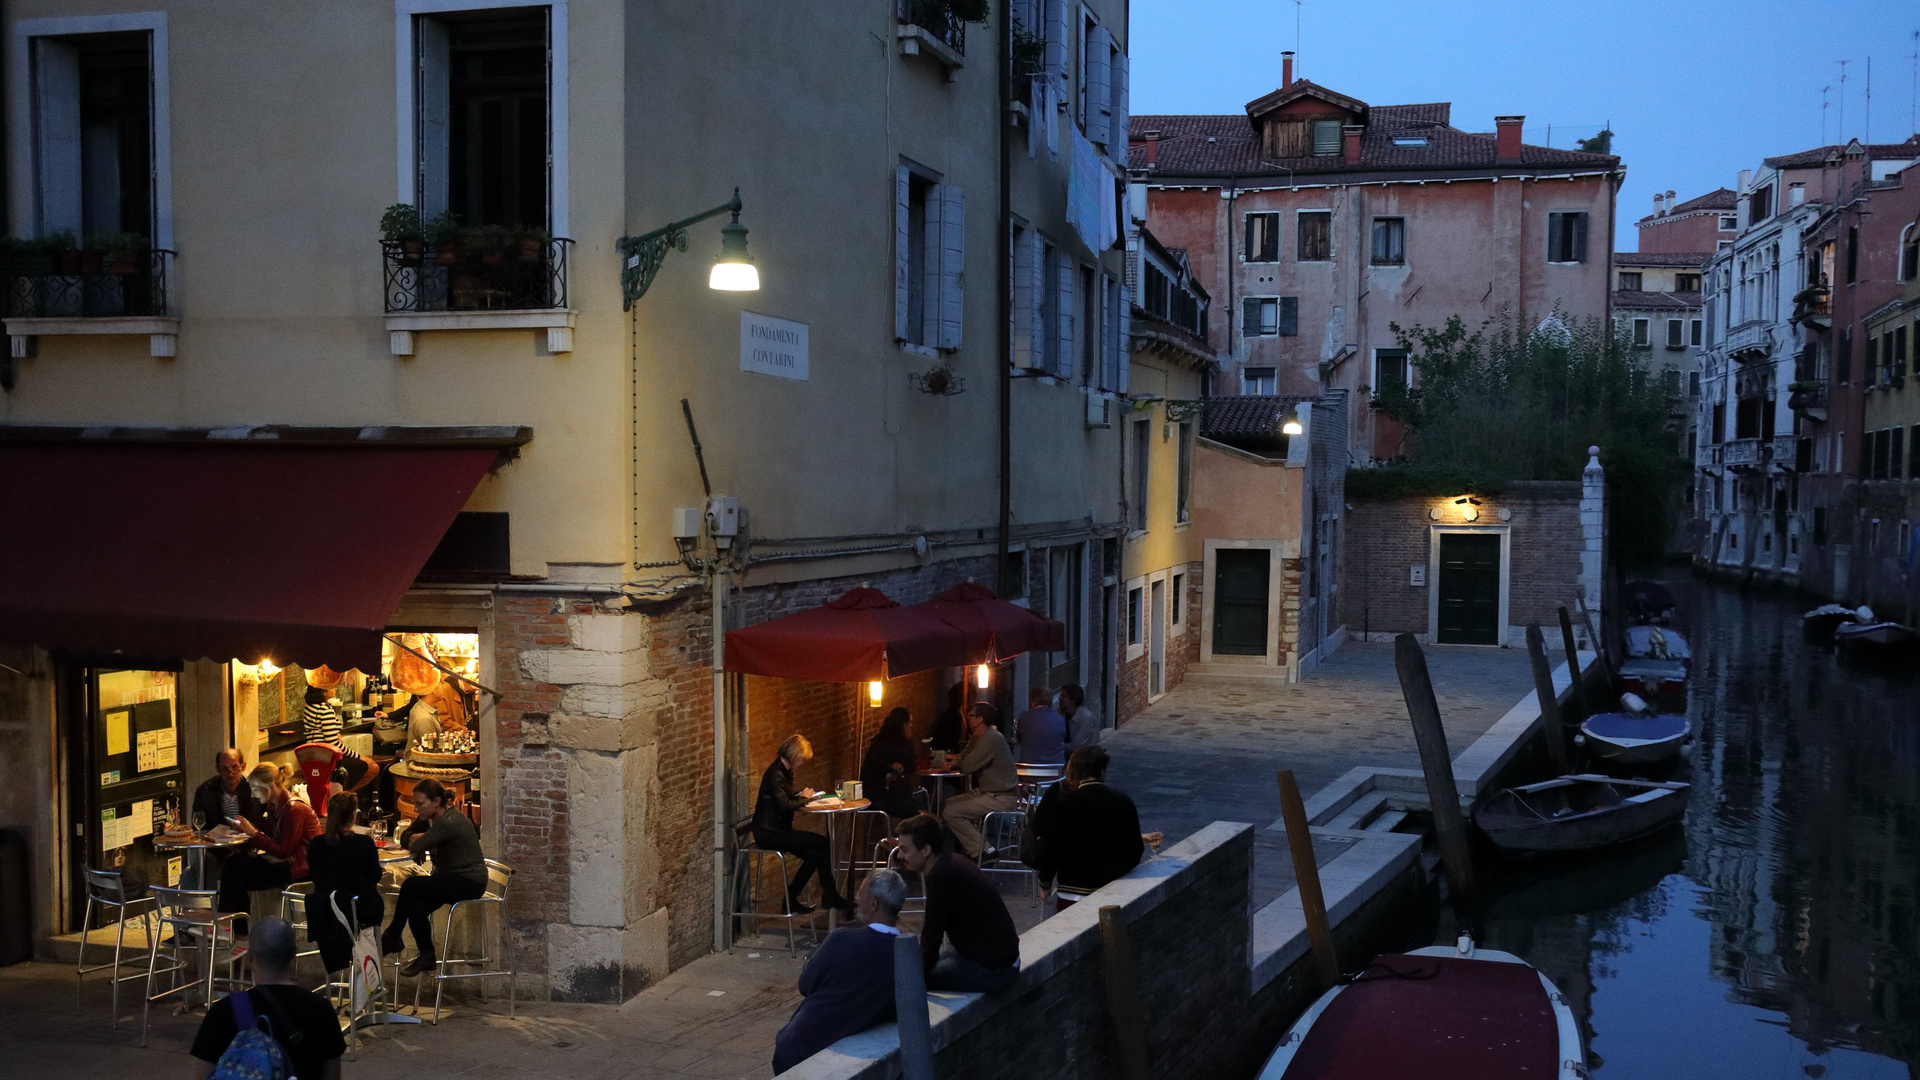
point(1696, 91)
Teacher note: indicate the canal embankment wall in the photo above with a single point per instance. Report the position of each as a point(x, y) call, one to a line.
point(1218, 981)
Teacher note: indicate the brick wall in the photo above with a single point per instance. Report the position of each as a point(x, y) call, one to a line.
point(1183, 650)
point(1385, 539)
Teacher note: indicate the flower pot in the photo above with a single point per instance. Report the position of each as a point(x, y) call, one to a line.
point(446, 254)
point(410, 252)
point(91, 262)
point(937, 382)
point(531, 249)
point(124, 263)
point(68, 262)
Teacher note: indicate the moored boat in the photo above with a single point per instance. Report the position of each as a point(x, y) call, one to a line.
point(1579, 812)
point(1627, 739)
point(1663, 681)
point(1437, 1012)
point(1821, 622)
point(1658, 643)
point(1879, 640)
point(1649, 601)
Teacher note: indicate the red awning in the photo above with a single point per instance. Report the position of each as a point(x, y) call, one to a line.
point(995, 629)
point(249, 550)
point(863, 635)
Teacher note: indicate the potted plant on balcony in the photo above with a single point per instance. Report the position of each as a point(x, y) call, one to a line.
point(489, 242)
point(443, 232)
point(114, 253)
point(973, 11)
point(533, 245)
point(400, 227)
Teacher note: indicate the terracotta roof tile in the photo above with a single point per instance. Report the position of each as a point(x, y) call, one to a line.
point(1631, 300)
point(1250, 414)
point(1876, 151)
point(1661, 258)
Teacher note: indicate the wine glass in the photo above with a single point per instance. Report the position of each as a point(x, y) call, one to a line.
point(199, 821)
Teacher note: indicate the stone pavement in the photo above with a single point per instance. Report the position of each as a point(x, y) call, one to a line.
point(1205, 752)
point(1209, 749)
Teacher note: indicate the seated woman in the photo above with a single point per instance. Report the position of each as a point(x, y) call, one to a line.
point(773, 828)
point(1089, 833)
point(281, 847)
point(888, 773)
point(459, 872)
point(346, 872)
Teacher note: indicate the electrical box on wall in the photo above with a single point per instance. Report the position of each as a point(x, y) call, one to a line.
point(724, 510)
point(686, 523)
point(1417, 576)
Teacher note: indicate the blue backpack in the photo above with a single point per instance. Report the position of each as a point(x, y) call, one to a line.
point(253, 1054)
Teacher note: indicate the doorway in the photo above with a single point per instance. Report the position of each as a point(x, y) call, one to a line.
point(1469, 589)
point(1157, 641)
point(122, 733)
point(1240, 582)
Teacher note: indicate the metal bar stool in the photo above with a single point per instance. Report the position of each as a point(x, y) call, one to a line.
point(106, 890)
point(184, 914)
point(749, 866)
point(293, 908)
point(499, 876)
point(1002, 832)
point(914, 904)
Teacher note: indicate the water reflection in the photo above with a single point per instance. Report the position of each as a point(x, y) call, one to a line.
point(1776, 937)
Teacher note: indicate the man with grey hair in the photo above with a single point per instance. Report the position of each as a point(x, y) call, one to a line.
point(848, 984)
point(301, 1021)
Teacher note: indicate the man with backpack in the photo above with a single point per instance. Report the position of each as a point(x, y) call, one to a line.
point(278, 1030)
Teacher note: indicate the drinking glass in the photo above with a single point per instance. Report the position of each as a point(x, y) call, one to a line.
point(199, 821)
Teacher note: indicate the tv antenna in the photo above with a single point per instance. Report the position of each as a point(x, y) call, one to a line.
point(1840, 132)
point(1824, 105)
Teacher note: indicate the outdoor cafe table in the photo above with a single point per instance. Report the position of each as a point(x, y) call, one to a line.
point(936, 792)
point(831, 808)
point(196, 846)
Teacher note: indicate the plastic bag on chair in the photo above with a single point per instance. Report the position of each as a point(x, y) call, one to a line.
point(364, 981)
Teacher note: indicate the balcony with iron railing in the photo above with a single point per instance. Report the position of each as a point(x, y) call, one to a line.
point(1748, 453)
point(483, 273)
point(936, 28)
point(56, 289)
point(1814, 307)
point(1751, 340)
point(1808, 397)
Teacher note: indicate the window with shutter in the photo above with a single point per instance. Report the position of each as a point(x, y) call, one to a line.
point(1250, 316)
point(1056, 30)
point(1389, 241)
point(1315, 243)
point(1326, 138)
point(1064, 316)
point(1263, 237)
point(1117, 142)
point(1289, 316)
point(1040, 330)
point(1676, 330)
point(1020, 275)
point(902, 252)
point(1567, 237)
point(1099, 84)
point(952, 265)
point(1126, 339)
point(1389, 370)
point(1112, 349)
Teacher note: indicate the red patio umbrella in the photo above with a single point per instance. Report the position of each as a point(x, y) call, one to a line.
point(861, 636)
point(995, 629)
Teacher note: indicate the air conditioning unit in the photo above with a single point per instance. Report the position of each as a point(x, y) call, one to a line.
point(1099, 405)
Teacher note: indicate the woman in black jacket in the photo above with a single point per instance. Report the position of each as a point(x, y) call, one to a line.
point(773, 828)
point(345, 870)
point(1089, 833)
point(888, 772)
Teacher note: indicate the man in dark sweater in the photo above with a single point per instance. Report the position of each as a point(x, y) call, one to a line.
point(982, 954)
point(848, 985)
point(1088, 833)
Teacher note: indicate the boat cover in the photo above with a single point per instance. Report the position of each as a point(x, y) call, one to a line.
point(1438, 1018)
point(1627, 730)
point(1657, 642)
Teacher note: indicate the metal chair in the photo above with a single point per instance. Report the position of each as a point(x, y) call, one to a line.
point(499, 876)
point(293, 908)
point(914, 904)
point(749, 867)
point(106, 890)
point(1002, 831)
point(184, 914)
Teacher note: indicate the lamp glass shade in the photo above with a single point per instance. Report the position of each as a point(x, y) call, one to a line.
point(983, 677)
point(1292, 427)
point(876, 692)
point(734, 277)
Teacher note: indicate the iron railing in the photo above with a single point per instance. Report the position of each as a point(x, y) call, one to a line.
point(937, 18)
point(86, 284)
point(503, 273)
point(1742, 452)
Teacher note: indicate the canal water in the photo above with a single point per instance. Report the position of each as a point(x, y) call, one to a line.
point(1778, 934)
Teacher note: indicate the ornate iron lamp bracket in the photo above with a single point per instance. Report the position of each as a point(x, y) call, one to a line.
point(642, 255)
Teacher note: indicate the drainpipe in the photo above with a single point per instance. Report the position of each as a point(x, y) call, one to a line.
point(719, 600)
point(1004, 304)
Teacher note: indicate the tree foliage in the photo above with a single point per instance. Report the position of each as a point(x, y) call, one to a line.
point(1518, 399)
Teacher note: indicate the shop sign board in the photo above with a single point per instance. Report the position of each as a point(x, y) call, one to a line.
point(770, 346)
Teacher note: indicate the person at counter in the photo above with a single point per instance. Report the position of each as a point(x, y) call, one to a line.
point(887, 772)
point(320, 723)
point(346, 871)
point(773, 828)
point(459, 872)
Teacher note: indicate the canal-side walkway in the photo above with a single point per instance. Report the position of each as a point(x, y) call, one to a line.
point(1207, 751)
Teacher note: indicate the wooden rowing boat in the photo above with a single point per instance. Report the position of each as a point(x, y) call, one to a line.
point(1579, 812)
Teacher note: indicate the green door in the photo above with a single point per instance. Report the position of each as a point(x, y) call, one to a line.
point(1240, 580)
point(1469, 589)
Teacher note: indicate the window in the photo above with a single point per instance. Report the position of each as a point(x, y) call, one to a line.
point(1567, 237)
point(1686, 283)
point(1056, 312)
point(1796, 194)
point(485, 120)
point(1134, 620)
point(1693, 333)
point(1853, 254)
point(1177, 601)
point(1065, 581)
point(1693, 384)
point(1142, 451)
point(93, 128)
point(1729, 223)
point(1315, 240)
point(1760, 205)
point(1869, 370)
point(1899, 350)
point(1895, 436)
point(1913, 458)
point(1157, 291)
point(1326, 138)
point(1641, 330)
point(1091, 323)
point(1676, 334)
point(1629, 281)
point(1114, 328)
point(1269, 316)
point(1390, 241)
point(1183, 495)
point(1258, 380)
point(1670, 379)
point(1409, 140)
point(1389, 370)
point(1910, 254)
point(929, 238)
point(1263, 237)
point(1843, 367)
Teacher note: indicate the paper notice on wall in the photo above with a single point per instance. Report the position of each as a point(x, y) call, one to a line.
point(142, 818)
point(115, 832)
point(146, 757)
point(166, 749)
point(173, 872)
point(118, 722)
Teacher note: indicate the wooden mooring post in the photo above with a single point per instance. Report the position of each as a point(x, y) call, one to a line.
point(1579, 697)
point(1417, 687)
point(1123, 997)
point(910, 1009)
point(1306, 874)
point(1550, 725)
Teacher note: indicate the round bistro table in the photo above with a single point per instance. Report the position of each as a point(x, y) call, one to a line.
point(832, 811)
point(196, 845)
point(936, 792)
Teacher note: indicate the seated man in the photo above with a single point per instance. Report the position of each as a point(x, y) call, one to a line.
point(994, 781)
point(1041, 733)
point(982, 950)
point(1083, 724)
point(220, 800)
point(848, 985)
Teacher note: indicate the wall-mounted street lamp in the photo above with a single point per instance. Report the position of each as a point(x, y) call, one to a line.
point(732, 272)
point(1292, 427)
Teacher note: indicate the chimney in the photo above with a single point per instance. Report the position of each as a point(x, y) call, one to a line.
point(1350, 139)
point(1672, 200)
point(1286, 68)
point(1507, 138)
point(1153, 149)
point(1659, 204)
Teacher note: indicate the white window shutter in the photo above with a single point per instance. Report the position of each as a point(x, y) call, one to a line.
point(902, 290)
point(1098, 74)
point(1063, 282)
point(1020, 315)
point(1056, 37)
point(435, 104)
point(1037, 328)
point(1126, 337)
point(57, 125)
point(953, 236)
point(1122, 124)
